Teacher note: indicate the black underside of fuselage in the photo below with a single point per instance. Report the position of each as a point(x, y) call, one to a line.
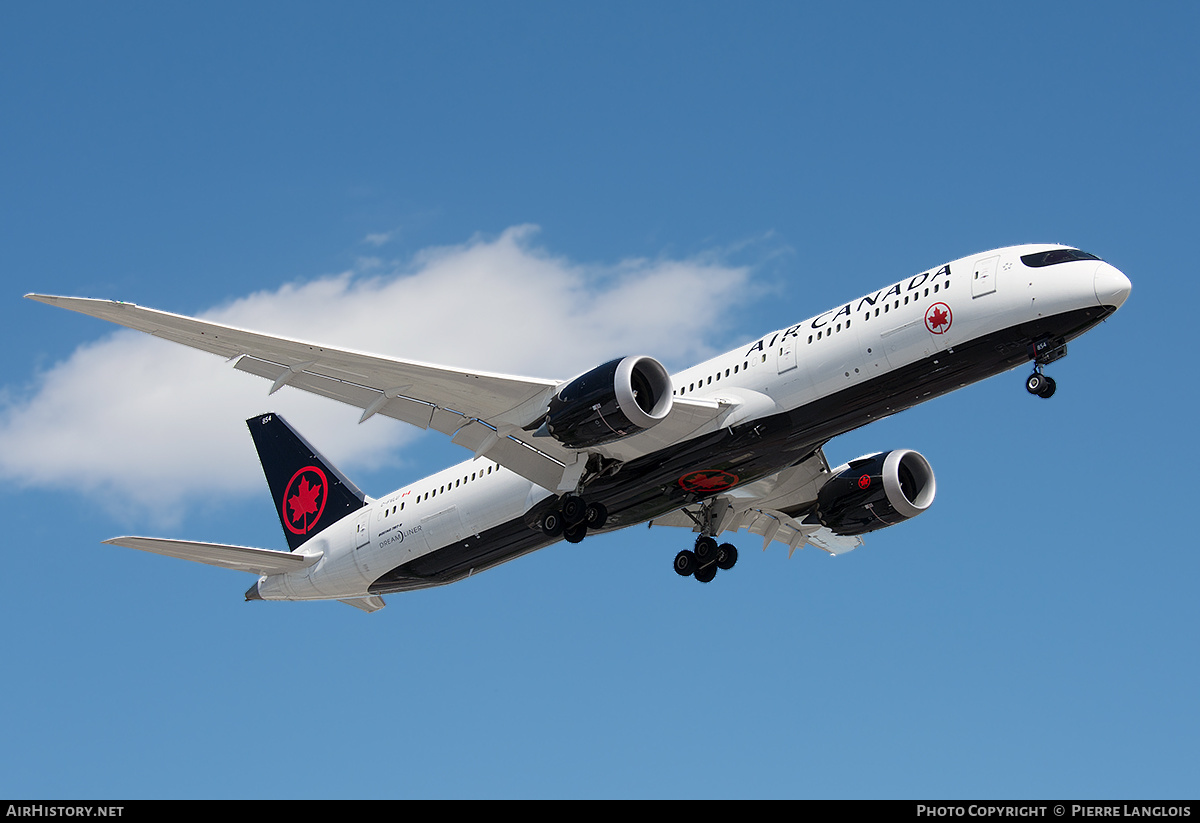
point(649, 487)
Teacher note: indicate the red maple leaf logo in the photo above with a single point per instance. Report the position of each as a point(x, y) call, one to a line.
point(937, 320)
point(307, 502)
point(304, 501)
point(707, 480)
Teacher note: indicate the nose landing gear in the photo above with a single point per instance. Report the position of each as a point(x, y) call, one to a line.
point(1043, 351)
point(1040, 384)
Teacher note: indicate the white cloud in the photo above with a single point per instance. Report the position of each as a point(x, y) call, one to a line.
point(147, 426)
point(380, 239)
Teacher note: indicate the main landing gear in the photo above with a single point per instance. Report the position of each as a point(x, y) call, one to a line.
point(703, 561)
point(573, 518)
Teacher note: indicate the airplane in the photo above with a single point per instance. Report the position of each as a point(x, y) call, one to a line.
point(733, 444)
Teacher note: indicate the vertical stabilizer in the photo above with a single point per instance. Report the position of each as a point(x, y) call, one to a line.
point(309, 493)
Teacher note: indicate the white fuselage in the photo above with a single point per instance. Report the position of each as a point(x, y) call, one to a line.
point(867, 338)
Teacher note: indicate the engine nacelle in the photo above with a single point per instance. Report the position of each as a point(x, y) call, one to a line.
point(876, 491)
point(612, 401)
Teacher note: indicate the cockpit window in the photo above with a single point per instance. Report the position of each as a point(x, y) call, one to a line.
point(1055, 256)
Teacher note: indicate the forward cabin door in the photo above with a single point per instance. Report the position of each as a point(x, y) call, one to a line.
point(983, 279)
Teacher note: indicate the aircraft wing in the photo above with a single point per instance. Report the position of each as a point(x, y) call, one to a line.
point(238, 558)
point(483, 412)
point(775, 507)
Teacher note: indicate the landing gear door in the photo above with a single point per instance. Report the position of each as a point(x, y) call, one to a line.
point(983, 281)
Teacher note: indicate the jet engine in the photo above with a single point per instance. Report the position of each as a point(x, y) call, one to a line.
point(876, 491)
point(612, 401)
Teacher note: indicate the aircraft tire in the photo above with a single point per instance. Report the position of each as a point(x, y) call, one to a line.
point(574, 509)
point(1035, 383)
point(576, 533)
point(706, 574)
point(595, 516)
point(1047, 390)
point(706, 550)
point(685, 563)
point(727, 556)
point(552, 523)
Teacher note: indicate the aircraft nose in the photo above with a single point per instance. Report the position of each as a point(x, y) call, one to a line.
point(1112, 287)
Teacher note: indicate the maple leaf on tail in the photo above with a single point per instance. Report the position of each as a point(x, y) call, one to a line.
point(304, 501)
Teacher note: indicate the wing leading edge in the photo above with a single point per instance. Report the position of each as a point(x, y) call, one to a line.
point(484, 412)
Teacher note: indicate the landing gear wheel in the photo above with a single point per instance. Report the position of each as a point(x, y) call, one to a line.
point(552, 523)
point(595, 516)
point(706, 550)
point(685, 563)
point(1041, 385)
point(576, 533)
point(726, 556)
point(706, 574)
point(573, 509)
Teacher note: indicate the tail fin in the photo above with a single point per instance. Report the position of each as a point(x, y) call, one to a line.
point(309, 493)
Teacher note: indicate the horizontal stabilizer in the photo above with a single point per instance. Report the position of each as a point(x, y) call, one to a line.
point(239, 558)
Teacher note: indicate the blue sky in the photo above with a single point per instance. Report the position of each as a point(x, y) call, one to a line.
point(497, 185)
